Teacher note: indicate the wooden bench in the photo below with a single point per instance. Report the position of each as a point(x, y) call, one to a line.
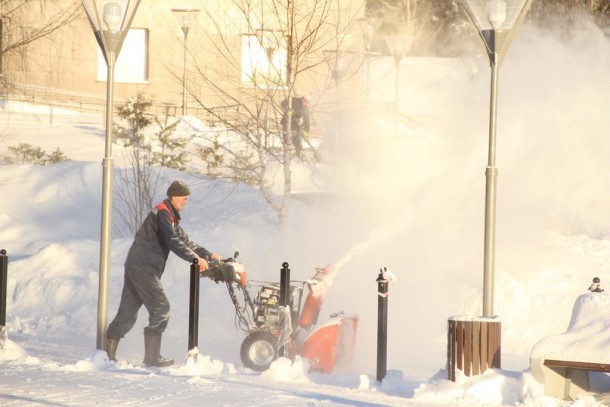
point(568, 379)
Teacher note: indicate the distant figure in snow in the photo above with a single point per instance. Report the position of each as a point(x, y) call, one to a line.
point(299, 121)
point(595, 287)
point(159, 234)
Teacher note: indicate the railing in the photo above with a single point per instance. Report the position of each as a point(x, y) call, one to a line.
point(64, 106)
point(52, 100)
point(58, 98)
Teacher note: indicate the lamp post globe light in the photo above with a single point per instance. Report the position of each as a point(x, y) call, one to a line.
point(186, 17)
point(497, 22)
point(398, 45)
point(110, 21)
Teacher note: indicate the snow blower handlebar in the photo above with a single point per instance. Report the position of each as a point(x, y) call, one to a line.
point(231, 259)
point(226, 270)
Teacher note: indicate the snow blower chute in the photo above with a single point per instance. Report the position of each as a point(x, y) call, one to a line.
point(328, 347)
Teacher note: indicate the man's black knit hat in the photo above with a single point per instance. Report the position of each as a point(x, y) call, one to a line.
point(178, 188)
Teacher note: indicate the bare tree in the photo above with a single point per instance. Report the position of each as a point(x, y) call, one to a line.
point(282, 44)
point(546, 12)
point(24, 22)
point(432, 25)
point(440, 28)
point(138, 180)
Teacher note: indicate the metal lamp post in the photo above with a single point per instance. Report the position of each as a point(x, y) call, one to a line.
point(110, 20)
point(185, 17)
point(369, 27)
point(497, 22)
point(398, 45)
point(272, 77)
point(338, 61)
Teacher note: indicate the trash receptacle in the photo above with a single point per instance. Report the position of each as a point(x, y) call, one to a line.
point(473, 345)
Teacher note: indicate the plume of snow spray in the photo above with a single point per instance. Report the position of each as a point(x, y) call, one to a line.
point(376, 237)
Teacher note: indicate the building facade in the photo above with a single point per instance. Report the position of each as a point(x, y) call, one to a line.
point(231, 48)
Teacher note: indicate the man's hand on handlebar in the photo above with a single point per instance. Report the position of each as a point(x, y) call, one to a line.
point(203, 265)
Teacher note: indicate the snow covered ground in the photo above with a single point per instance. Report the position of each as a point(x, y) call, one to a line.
point(412, 203)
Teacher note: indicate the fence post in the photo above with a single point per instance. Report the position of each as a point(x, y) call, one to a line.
point(194, 309)
point(382, 325)
point(284, 298)
point(3, 283)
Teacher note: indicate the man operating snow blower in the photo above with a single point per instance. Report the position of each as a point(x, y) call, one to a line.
point(159, 234)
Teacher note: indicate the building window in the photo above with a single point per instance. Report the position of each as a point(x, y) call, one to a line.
point(132, 64)
point(264, 57)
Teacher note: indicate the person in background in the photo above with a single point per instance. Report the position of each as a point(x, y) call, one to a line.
point(299, 121)
point(159, 234)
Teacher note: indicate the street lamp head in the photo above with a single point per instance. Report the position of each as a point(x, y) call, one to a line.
point(496, 13)
point(185, 21)
point(369, 27)
point(497, 22)
point(398, 45)
point(500, 15)
point(185, 17)
point(113, 16)
point(110, 21)
point(268, 39)
point(338, 61)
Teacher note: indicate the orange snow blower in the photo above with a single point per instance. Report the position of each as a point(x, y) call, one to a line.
point(269, 326)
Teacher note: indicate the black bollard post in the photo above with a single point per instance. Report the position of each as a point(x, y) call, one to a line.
point(284, 298)
point(382, 325)
point(3, 283)
point(194, 306)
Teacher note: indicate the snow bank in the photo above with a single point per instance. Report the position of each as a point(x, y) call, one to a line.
point(587, 338)
point(12, 353)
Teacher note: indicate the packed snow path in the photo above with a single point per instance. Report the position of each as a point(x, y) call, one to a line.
point(93, 381)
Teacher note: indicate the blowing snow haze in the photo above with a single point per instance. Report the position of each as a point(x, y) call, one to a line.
point(416, 202)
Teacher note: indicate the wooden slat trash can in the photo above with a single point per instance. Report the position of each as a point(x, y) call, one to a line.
point(473, 345)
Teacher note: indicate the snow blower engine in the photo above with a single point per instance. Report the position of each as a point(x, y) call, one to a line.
point(270, 327)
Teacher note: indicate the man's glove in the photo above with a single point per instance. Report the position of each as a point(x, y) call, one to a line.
point(214, 272)
point(203, 264)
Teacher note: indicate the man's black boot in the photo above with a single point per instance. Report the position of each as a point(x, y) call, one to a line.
point(112, 342)
point(152, 349)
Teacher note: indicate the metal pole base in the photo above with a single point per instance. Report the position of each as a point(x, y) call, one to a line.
point(192, 356)
point(2, 336)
